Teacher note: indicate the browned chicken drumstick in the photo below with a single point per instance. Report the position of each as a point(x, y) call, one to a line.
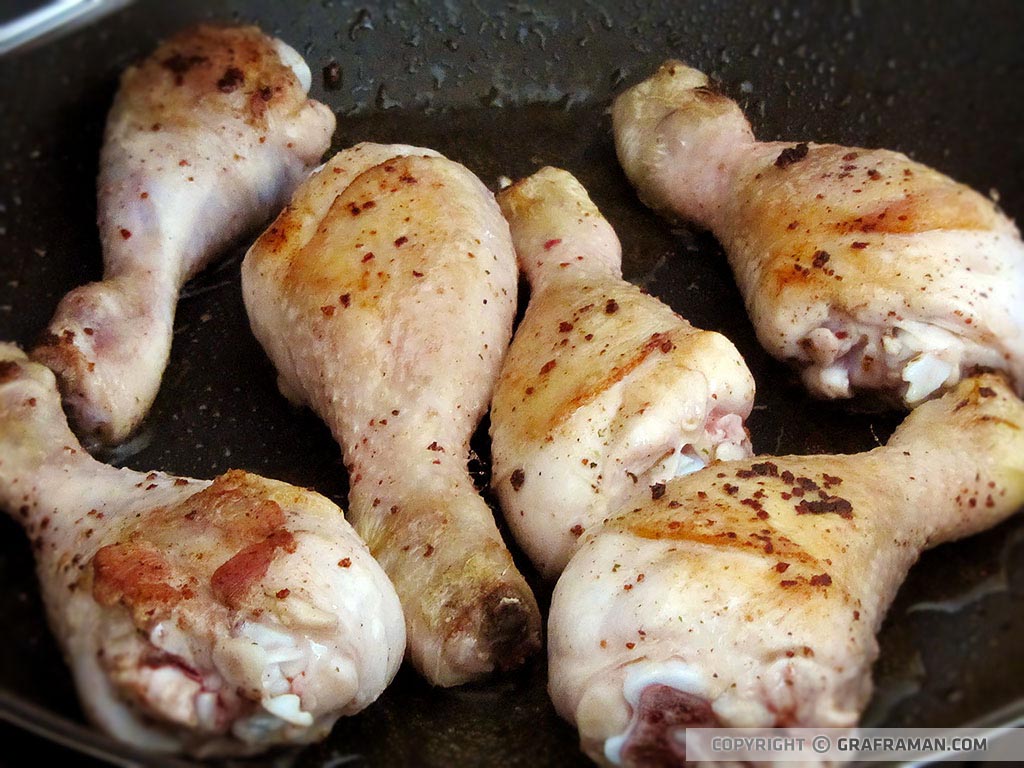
point(749, 593)
point(864, 269)
point(206, 139)
point(606, 392)
point(217, 617)
point(384, 294)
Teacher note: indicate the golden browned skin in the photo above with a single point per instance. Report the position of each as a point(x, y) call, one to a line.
point(749, 594)
point(385, 295)
point(865, 269)
point(206, 139)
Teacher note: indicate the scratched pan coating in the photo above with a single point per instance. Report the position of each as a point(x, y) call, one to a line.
point(505, 89)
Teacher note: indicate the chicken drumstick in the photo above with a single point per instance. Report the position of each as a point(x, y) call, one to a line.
point(219, 617)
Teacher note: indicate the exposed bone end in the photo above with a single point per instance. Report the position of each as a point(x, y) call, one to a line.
point(662, 714)
point(496, 633)
point(510, 630)
point(72, 368)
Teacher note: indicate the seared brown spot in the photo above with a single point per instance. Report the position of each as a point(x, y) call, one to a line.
point(517, 479)
point(230, 80)
point(137, 576)
point(180, 64)
point(761, 469)
point(232, 581)
point(791, 155)
point(830, 505)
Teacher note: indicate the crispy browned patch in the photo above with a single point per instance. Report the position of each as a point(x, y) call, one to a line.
point(136, 575)
point(509, 630)
point(232, 581)
point(730, 534)
point(237, 66)
point(585, 395)
point(276, 237)
point(237, 508)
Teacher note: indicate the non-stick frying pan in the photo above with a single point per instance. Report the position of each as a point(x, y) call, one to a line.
point(504, 88)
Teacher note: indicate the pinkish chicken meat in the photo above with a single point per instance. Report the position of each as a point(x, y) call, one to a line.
point(867, 271)
point(206, 139)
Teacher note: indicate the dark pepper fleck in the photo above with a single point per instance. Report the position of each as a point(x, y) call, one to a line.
point(517, 479)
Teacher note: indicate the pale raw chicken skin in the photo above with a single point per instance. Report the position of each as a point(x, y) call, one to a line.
point(384, 294)
point(865, 270)
point(218, 618)
point(606, 393)
point(750, 593)
point(206, 139)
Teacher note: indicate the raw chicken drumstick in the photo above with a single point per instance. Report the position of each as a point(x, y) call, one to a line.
point(218, 617)
point(864, 269)
point(749, 594)
point(605, 392)
point(384, 294)
point(206, 139)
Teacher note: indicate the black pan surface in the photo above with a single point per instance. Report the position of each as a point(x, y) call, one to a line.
point(505, 88)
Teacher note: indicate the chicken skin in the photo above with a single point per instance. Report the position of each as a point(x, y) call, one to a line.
point(384, 294)
point(865, 270)
point(749, 594)
point(217, 617)
point(605, 392)
point(206, 139)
